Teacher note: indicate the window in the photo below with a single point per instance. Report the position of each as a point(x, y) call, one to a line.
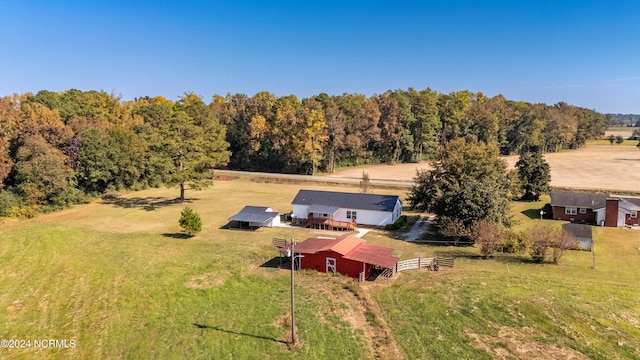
point(583, 210)
point(352, 215)
point(634, 214)
point(570, 210)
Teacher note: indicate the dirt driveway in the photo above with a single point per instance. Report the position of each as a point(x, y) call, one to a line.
point(607, 167)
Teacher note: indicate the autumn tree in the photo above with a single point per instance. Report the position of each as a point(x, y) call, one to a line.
point(468, 182)
point(41, 173)
point(535, 175)
point(6, 163)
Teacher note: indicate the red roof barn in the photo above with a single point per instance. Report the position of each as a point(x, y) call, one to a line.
point(347, 255)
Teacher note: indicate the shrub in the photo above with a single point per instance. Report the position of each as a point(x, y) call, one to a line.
point(190, 221)
point(565, 242)
point(8, 203)
point(541, 239)
point(487, 235)
point(398, 224)
point(514, 242)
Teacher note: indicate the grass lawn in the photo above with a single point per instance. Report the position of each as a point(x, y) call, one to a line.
point(119, 280)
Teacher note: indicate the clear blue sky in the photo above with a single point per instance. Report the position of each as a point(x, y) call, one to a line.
point(586, 53)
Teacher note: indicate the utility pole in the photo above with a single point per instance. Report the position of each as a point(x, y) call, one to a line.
point(293, 314)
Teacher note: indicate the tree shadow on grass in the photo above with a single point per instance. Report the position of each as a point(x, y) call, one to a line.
point(177, 235)
point(276, 262)
point(150, 203)
point(515, 260)
point(233, 332)
point(454, 253)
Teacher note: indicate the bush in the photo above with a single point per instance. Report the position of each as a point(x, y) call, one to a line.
point(8, 203)
point(514, 242)
point(487, 235)
point(190, 221)
point(398, 224)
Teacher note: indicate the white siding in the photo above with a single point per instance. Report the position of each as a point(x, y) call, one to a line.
point(299, 211)
point(363, 217)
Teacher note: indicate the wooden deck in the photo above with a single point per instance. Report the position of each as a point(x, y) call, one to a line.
point(323, 223)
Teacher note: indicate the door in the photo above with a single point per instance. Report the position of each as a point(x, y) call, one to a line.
point(331, 265)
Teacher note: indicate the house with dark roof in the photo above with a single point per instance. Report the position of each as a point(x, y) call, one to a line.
point(582, 233)
point(347, 255)
point(596, 208)
point(253, 217)
point(344, 211)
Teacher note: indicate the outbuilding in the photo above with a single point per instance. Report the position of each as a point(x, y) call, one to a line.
point(582, 233)
point(253, 217)
point(347, 255)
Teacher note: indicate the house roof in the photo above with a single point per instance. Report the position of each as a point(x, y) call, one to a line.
point(578, 230)
point(254, 214)
point(578, 199)
point(346, 200)
point(323, 209)
point(633, 202)
point(350, 247)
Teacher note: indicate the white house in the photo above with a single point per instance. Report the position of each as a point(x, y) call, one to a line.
point(338, 210)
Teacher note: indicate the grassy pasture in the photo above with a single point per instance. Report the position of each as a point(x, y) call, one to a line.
point(118, 279)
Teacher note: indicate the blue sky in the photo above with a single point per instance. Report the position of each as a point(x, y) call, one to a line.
point(585, 53)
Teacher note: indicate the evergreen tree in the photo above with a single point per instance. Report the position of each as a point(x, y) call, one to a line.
point(190, 221)
point(535, 175)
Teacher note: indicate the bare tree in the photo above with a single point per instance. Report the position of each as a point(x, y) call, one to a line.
point(488, 236)
point(566, 241)
point(540, 239)
point(544, 238)
point(365, 183)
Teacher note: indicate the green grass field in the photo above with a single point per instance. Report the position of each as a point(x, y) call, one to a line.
point(119, 280)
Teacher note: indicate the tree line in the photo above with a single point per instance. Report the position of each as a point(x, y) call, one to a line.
point(60, 148)
point(324, 132)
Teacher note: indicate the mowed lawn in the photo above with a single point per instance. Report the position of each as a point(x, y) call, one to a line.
point(119, 280)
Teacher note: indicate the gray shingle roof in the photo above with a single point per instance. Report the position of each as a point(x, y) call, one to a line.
point(578, 230)
point(254, 214)
point(578, 199)
point(346, 200)
point(631, 199)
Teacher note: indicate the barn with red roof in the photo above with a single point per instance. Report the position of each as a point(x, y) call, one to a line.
point(347, 255)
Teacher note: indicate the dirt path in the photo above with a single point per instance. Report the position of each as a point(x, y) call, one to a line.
point(419, 228)
point(355, 305)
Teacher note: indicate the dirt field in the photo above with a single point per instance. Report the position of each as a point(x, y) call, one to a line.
point(592, 167)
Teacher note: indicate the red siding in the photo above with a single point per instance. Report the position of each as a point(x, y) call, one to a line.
point(632, 221)
point(588, 217)
point(343, 266)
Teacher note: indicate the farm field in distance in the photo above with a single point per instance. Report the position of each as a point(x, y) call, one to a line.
point(612, 167)
point(118, 278)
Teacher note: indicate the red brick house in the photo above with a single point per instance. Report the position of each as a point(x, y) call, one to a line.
point(347, 255)
point(596, 208)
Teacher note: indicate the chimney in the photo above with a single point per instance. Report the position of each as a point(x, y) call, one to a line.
point(611, 213)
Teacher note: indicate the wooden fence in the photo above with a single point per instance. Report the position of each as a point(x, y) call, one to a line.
point(431, 263)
